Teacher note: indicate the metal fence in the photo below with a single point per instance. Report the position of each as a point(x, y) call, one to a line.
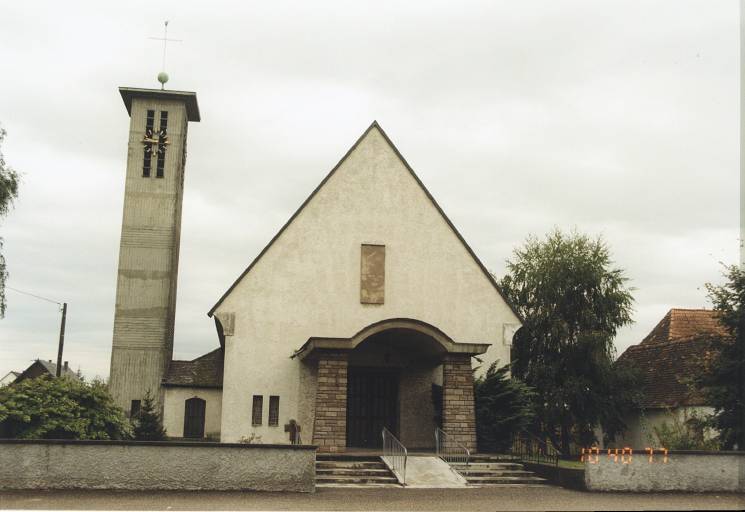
point(449, 449)
point(528, 448)
point(395, 455)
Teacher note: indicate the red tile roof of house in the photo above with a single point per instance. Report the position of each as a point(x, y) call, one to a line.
point(680, 324)
point(672, 355)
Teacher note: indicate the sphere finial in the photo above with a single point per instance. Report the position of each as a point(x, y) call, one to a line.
point(162, 78)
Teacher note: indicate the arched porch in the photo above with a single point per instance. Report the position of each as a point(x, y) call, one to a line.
point(402, 374)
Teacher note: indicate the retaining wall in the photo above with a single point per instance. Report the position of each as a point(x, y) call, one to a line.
point(42, 464)
point(680, 471)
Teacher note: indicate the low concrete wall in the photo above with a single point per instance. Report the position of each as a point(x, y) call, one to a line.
point(566, 477)
point(45, 464)
point(681, 471)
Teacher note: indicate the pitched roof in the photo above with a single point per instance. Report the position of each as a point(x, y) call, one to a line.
point(685, 323)
point(672, 355)
point(426, 192)
point(202, 372)
point(40, 367)
point(668, 369)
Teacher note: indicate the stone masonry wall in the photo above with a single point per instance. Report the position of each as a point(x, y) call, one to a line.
point(458, 415)
point(330, 425)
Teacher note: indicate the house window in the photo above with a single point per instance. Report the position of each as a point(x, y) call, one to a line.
point(257, 410)
point(273, 411)
point(134, 409)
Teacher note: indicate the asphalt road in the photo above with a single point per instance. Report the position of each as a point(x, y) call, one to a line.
point(471, 500)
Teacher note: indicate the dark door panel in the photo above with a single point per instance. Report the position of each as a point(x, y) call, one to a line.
point(194, 417)
point(372, 403)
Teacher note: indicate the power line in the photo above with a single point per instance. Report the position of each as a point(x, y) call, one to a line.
point(33, 295)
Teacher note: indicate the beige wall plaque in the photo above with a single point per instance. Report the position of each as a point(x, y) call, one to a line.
point(372, 274)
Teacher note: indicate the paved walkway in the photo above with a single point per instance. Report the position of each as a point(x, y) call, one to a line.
point(431, 473)
point(471, 500)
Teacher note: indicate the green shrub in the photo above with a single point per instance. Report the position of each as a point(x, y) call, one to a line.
point(687, 433)
point(61, 408)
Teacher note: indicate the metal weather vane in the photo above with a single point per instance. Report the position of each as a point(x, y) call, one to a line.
point(163, 76)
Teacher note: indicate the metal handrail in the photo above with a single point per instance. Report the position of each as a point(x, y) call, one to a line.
point(450, 449)
point(527, 447)
point(395, 455)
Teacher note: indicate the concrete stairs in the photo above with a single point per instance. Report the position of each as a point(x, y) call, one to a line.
point(483, 471)
point(353, 471)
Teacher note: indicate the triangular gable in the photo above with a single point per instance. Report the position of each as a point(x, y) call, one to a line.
point(418, 181)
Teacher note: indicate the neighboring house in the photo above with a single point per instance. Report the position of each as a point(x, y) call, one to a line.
point(669, 359)
point(363, 306)
point(41, 367)
point(9, 378)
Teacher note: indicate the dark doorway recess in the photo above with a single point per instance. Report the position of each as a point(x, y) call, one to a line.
point(372, 403)
point(194, 417)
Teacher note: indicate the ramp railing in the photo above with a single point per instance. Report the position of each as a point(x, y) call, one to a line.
point(450, 449)
point(395, 455)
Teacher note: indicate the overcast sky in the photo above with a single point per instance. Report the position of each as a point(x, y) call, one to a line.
point(618, 118)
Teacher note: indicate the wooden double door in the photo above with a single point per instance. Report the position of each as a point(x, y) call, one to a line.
point(372, 403)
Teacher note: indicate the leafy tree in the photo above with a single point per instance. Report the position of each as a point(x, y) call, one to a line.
point(60, 408)
point(504, 407)
point(8, 191)
point(723, 380)
point(573, 301)
point(148, 425)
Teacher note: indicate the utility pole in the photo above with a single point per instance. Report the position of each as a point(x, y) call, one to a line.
point(61, 339)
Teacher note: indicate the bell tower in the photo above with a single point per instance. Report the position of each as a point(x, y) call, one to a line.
point(149, 247)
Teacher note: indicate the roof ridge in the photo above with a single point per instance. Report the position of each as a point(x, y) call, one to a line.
point(429, 196)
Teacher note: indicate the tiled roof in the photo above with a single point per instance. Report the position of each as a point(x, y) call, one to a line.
point(667, 370)
point(686, 323)
point(672, 355)
point(202, 372)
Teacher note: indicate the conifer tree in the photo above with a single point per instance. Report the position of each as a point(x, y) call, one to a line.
point(723, 380)
point(504, 407)
point(148, 425)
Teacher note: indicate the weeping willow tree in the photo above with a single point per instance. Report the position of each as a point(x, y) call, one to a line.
point(8, 192)
point(573, 301)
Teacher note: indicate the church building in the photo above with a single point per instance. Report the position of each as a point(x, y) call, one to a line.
point(367, 310)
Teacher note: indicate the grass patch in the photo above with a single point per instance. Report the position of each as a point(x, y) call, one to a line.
point(571, 464)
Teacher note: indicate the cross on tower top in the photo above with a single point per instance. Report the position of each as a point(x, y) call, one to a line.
point(163, 76)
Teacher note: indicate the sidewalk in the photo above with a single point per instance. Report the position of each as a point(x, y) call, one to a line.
point(471, 500)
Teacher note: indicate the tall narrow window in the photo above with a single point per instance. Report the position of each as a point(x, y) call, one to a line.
point(162, 143)
point(134, 410)
point(257, 410)
point(273, 411)
point(148, 144)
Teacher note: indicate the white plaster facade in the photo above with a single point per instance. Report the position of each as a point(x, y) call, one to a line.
point(306, 283)
point(641, 425)
point(174, 399)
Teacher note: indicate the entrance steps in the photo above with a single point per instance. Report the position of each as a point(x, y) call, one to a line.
point(497, 472)
point(352, 471)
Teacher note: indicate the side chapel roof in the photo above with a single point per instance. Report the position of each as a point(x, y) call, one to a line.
point(203, 372)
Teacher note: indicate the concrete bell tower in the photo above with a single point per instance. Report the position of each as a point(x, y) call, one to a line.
point(149, 247)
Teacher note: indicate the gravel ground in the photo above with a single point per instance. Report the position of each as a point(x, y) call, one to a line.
point(471, 500)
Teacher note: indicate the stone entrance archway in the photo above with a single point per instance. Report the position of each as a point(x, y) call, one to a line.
point(422, 356)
